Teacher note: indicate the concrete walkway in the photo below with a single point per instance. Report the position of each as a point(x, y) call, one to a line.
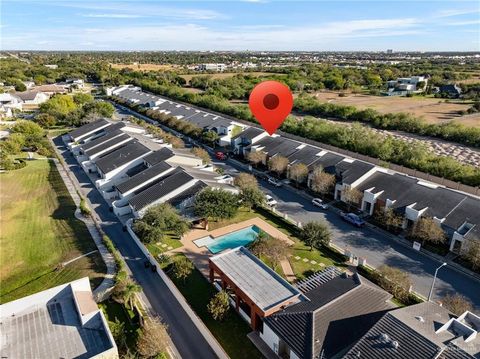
point(102, 292)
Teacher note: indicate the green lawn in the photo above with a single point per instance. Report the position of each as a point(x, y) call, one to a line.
point(39, 231)
point(232, 332)
point(169, 239)
point(301, 268)
point(116, 312)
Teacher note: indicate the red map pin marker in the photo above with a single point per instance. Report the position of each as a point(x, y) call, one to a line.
point(270, 103)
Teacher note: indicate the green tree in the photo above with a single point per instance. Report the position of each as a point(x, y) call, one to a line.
point(316, 234)
point(125, 291)
point(298, 172)
point(472, 253)
point(59, 106)
point(158, 220)
point(45, 120)
point(216, 204)
point(278, 164)
point(210, 137)
point(219, 306)
point(252, 197)
point(273, 249)
point(182, 268)
point(82, 98)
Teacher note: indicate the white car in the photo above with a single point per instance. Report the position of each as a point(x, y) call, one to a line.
point(274, 181)
point(270, 201)
point(224, 179)
point(319, 203)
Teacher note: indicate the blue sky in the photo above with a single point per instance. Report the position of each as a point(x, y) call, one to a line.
point(241, 25)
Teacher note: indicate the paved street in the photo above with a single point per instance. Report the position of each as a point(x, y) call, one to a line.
point(376, 247)
point(187, 338)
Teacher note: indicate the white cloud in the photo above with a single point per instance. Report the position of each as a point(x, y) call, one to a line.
point(456, 12)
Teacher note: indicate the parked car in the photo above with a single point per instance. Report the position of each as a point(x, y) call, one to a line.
point(319, 203)
point(274, 182)
point(353, 219)
point(270, 201)
point(224, 179)
point(220, 156)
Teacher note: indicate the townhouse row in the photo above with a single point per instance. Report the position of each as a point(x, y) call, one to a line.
point(134, 171)
point(456, 212)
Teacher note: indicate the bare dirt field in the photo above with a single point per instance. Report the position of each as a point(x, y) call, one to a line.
point(144, 67)
point(431, 109)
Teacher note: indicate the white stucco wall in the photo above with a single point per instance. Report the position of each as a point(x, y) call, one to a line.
point(270, 338)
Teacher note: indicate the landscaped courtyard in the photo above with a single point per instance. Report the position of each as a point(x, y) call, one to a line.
point(39, 232)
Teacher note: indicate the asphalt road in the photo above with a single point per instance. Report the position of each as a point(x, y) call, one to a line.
point(187, 338)
point(376, 247)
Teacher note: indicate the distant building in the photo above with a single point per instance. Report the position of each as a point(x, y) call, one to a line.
point(451, 91)
point(211, 67)
point(9, 103)
point(405, 85)
point(29, 84)
point(389, 51)
point(60, 322)
point(53, 67)
point(32, 97)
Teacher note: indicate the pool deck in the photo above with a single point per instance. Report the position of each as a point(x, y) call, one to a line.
point(199, 256)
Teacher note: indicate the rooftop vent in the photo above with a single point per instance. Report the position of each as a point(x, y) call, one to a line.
point(420, 319)
point(395, 344)
point(384, 337)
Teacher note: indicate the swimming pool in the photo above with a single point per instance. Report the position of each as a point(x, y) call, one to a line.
point(235, 239)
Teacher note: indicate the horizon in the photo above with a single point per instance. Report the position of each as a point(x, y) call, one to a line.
point(239, 26)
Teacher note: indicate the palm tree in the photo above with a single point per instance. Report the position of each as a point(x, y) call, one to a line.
point(129, 292)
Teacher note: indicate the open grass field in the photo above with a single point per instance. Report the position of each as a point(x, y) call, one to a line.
point(431, 109)
point(39, 231)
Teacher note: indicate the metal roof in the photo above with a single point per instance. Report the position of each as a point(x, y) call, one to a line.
point(89, 127)
point(258, 281)
point(125, 154)
point(143, 177)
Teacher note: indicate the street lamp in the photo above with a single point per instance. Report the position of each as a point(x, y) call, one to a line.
point(433, 282)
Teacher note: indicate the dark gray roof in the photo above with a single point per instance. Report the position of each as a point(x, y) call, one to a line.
point(139, 97)
point(441, 202)
point(327, 160)
point(158, 156)
point(125, 154)
point(159, 190)
point(188, 193)
point(416, 330)
point(411, 345)
point(143, 176)
point(278, 146)
point(98, 141)
point(202, 119)
point(340, 311)
point(306, 155)
point(112, 143)
point(349, 172)
point(250, 133)
point(89, 127)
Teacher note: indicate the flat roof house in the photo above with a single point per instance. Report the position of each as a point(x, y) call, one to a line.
point(60, 322)
point(87, 130)
point(246, 138)
point(168, 187)
point(424, 330)
point(256, 290)
point(339, 310)
point(113, 166)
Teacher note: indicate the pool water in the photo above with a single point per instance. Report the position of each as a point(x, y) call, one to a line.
point(236, 239)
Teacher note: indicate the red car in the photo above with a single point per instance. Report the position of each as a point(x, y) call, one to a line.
point(220, 156)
